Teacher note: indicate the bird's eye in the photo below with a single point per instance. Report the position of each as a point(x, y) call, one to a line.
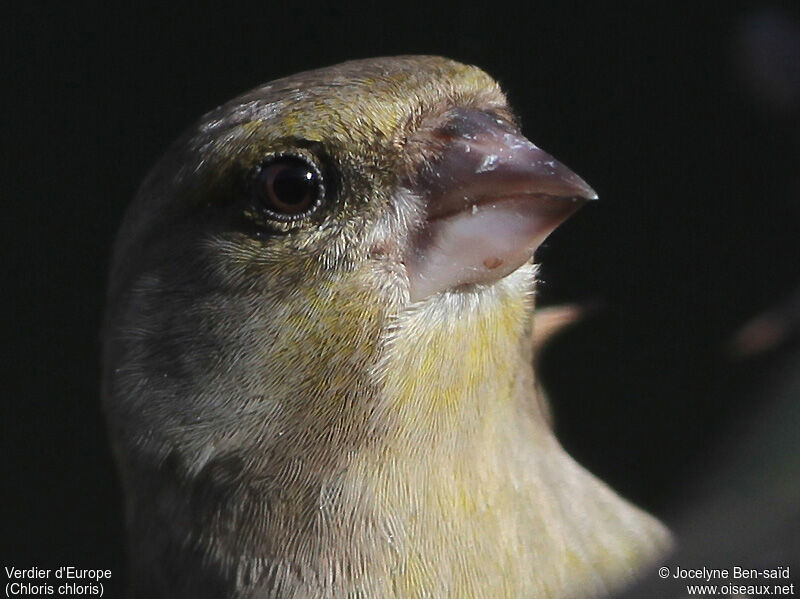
point(289, 187)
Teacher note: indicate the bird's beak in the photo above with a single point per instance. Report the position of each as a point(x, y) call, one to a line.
point(491, 198)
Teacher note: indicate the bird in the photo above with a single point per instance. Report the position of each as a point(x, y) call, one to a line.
point(317, 353)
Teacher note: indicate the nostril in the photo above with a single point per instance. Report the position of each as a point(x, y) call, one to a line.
point(469, 124)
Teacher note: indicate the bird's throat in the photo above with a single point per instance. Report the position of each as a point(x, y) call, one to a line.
point(444, 378)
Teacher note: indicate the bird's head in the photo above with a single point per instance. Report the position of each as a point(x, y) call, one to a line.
point(271, 253)
point(411, 167)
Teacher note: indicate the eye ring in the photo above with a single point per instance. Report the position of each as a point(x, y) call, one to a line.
point(288, 187)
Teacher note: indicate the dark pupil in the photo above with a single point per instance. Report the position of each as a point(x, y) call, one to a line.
point(293, 186)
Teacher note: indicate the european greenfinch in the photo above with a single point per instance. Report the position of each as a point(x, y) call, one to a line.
point(317, 353)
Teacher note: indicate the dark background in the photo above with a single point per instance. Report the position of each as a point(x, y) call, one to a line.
point(684, 117)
